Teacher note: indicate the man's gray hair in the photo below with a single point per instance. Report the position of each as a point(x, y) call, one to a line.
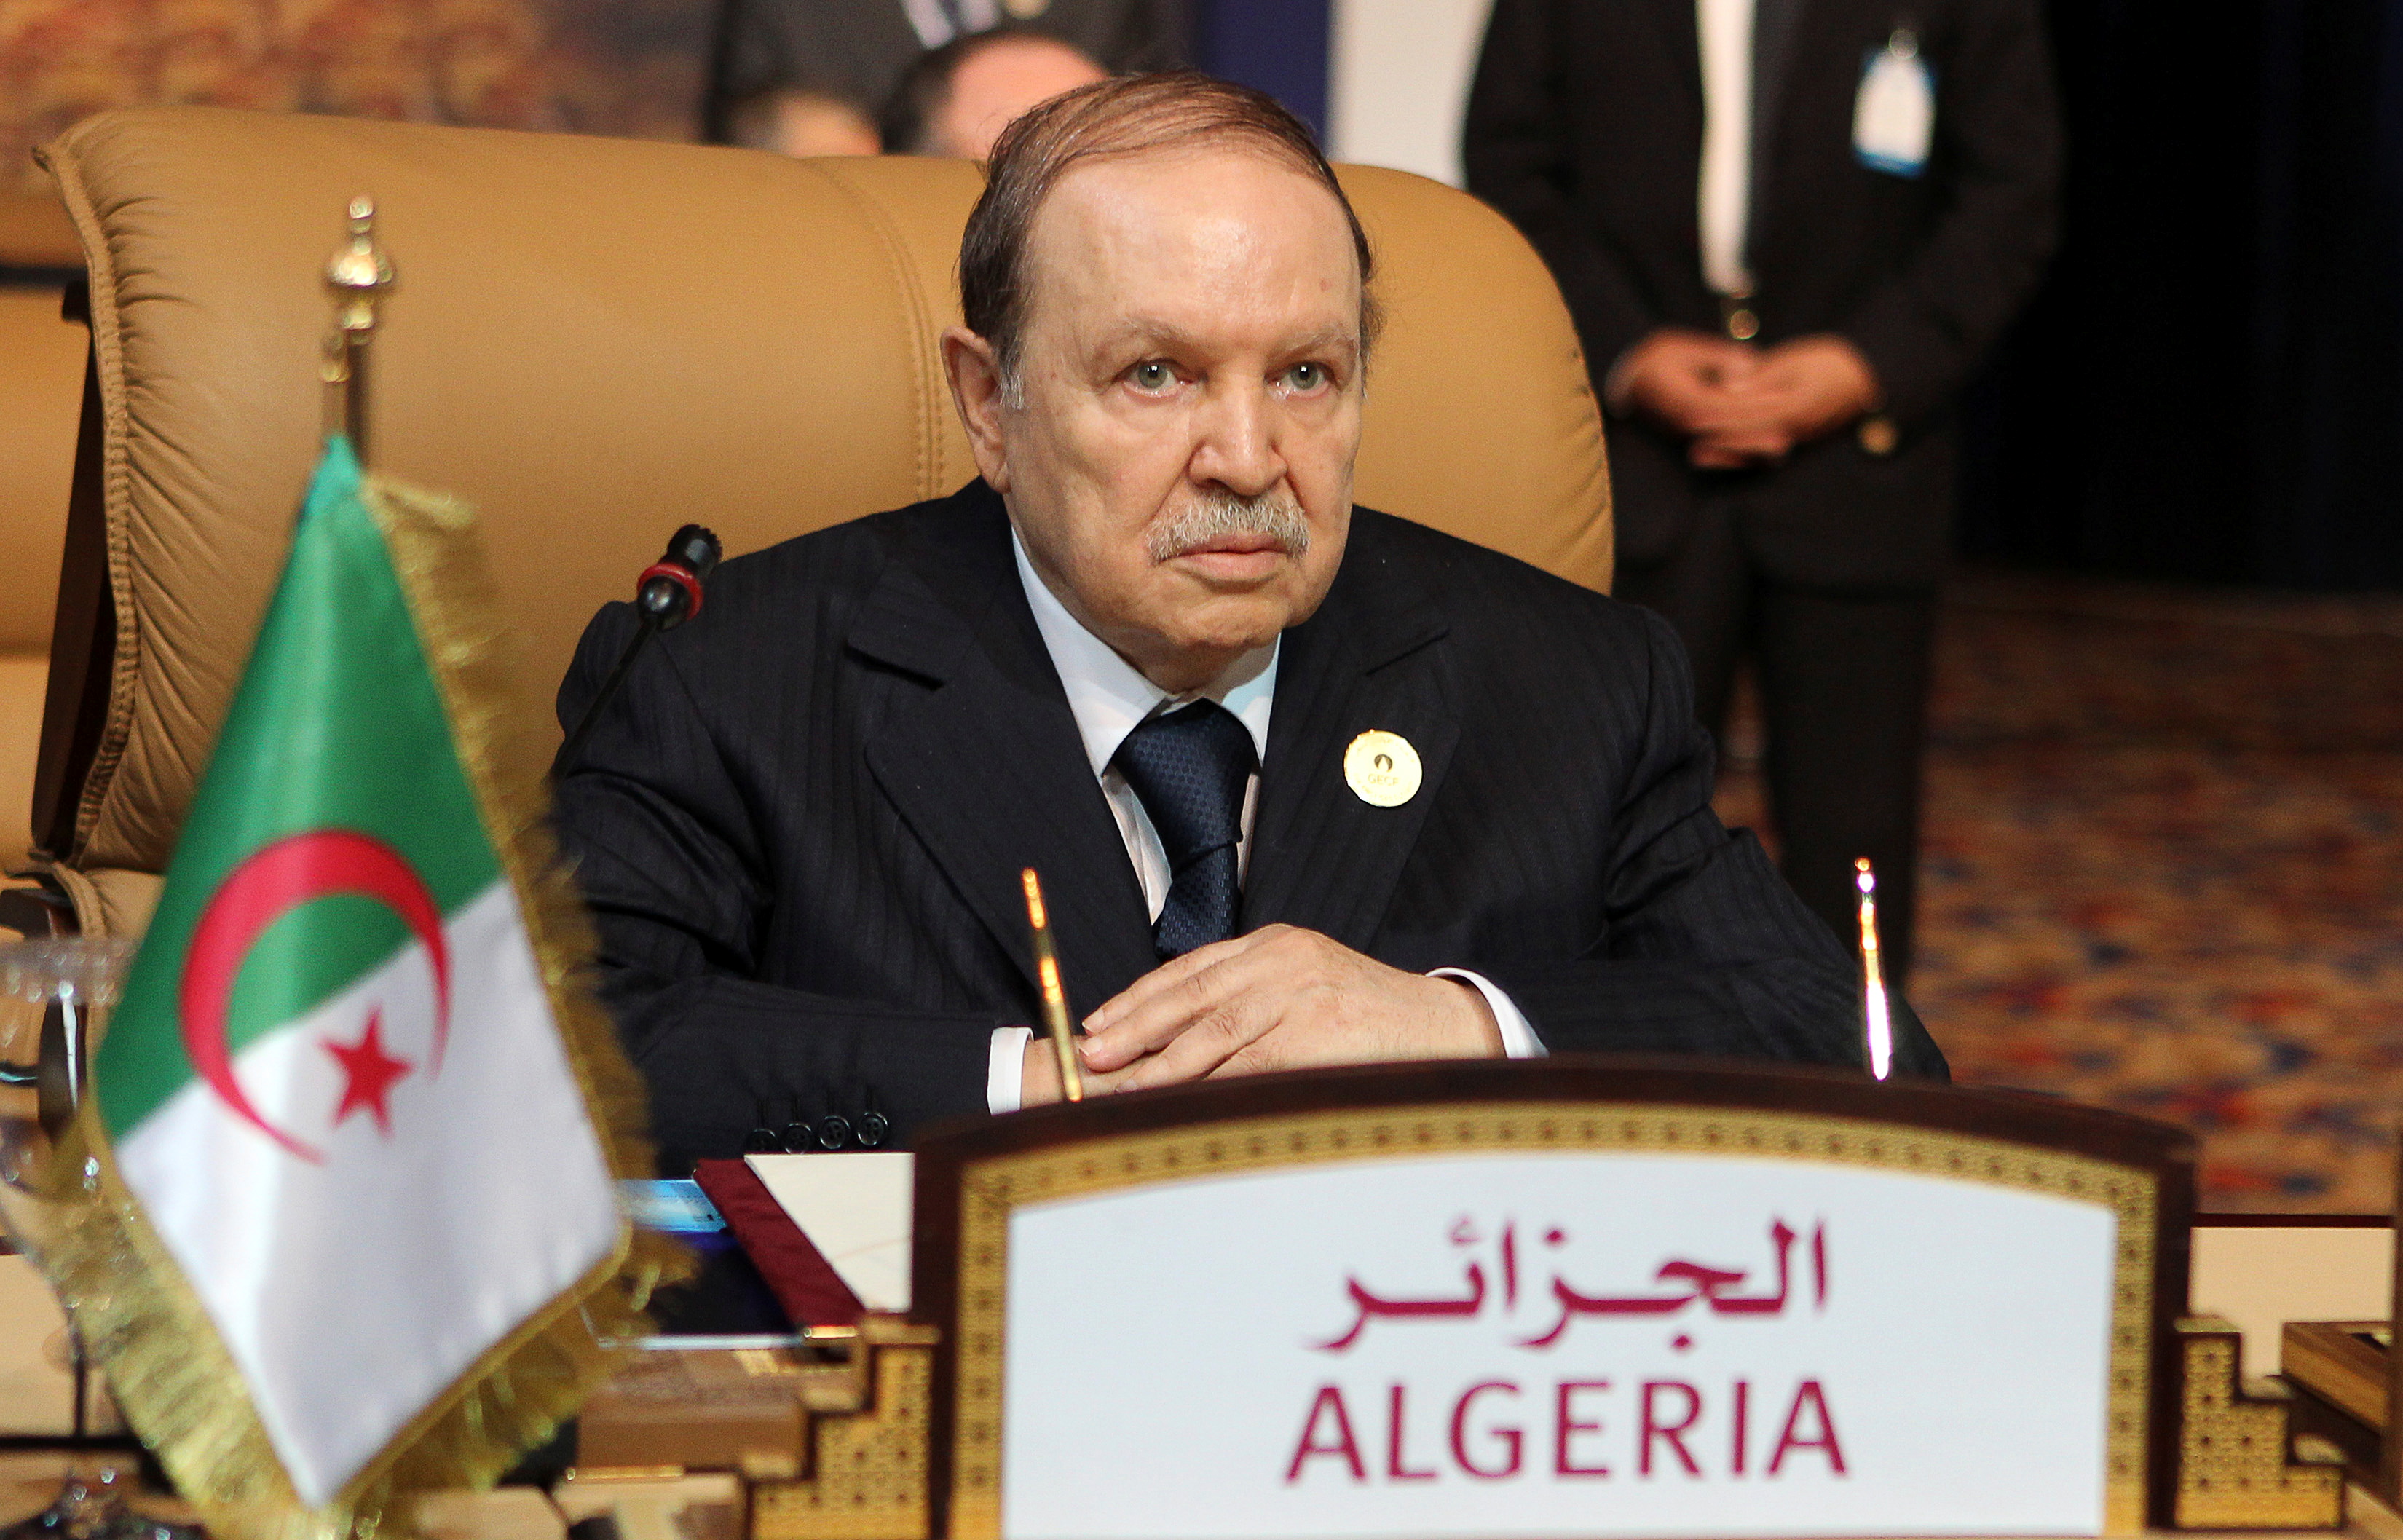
point(1126, 115)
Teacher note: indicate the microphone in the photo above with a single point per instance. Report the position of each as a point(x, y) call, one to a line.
point(671, 586)
point(668, 594)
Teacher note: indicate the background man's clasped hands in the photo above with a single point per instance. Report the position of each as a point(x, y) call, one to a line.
point(1738, 405)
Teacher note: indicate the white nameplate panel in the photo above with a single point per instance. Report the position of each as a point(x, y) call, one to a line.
point(1566, 1343)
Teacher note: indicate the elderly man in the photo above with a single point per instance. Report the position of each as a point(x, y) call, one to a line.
point(1137, 654)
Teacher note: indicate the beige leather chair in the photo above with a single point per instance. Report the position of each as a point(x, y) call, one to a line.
point(41, 392)
point(593, 341)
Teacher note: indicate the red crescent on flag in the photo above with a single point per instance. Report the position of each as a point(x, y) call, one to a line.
point(269, 885)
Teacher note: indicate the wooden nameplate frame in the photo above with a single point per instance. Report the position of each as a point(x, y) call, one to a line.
point(2167, 1384)
point(915, 1441)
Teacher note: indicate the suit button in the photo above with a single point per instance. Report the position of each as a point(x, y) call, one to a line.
point(873, 1127)
point(797, 1137)
point(1742, 324)
point(834, 1131)
point(762, 1142)
point(1878, 435)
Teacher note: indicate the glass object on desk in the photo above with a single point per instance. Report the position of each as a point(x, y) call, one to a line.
point(53, 991)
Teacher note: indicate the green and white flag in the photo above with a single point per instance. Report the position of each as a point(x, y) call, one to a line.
point(337, 1092)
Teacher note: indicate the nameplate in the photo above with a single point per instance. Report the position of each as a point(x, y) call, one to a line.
point(1555, 1316)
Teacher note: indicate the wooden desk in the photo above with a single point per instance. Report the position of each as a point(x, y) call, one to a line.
point(2262, 1270)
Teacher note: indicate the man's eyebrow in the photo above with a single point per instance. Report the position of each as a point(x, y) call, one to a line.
point(1151, 333)
point(1326, 337)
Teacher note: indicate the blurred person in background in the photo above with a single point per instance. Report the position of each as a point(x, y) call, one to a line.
point(1787, 233)
point(801, 123)
point(856, 51)
point(955, 100)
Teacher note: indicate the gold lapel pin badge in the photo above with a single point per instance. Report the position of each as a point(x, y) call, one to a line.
point(1382, 769)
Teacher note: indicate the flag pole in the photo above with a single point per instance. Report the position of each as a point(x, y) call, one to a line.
point(358, 275)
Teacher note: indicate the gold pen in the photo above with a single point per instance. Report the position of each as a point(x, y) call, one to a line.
point(1878, 1027)
point(1055, 999)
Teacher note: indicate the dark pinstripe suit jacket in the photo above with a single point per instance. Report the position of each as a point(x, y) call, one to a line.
point(802, 825)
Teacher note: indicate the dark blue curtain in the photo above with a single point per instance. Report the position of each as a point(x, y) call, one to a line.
point(2210, 384)
point(1275, 45)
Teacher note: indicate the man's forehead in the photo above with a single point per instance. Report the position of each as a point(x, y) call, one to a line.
point(1132, 217)
point(1170, 335)
point(1192, 178)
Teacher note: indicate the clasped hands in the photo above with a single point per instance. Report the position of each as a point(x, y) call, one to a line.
point(1278, 998)
point(1737, 404)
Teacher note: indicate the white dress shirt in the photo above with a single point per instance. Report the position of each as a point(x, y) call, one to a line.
point(1110, 699)
point(1724, 196)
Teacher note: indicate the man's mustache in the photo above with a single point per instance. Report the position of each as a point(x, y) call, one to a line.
point(1216, 515)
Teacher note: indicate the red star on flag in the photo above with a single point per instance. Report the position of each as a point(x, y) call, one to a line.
point(371, 1074)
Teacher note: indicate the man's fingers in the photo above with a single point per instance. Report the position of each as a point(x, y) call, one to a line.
point(1695, 413)
point(1243, 997)
point(1716, 457)
point(1157, 1007)
point(1147, 1022)
point(1205, 1044)
point(1292, 997)
point(1731, 452)
point(1159, 980)
point(1039, 1080)
point(1731, 363)
point(1100, 1082)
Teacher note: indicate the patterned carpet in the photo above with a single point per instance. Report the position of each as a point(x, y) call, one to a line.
point(2163, 868)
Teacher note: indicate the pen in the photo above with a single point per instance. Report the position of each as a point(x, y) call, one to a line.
point(1055, 999)
point(1877, 1025)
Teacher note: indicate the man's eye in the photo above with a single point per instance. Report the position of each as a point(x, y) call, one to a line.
point(1307, 377)
point(1152, 376)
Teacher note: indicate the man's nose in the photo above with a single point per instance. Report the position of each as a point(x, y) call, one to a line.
point(1237, 444)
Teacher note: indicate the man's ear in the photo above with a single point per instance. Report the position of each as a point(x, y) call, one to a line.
point(974, 374)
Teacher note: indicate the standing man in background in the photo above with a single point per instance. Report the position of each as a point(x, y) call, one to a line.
point(955, 100)
point(1788, 230)
point(856, 50)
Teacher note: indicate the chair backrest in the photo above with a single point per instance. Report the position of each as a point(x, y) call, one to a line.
point(42, 356)
point(594, 341)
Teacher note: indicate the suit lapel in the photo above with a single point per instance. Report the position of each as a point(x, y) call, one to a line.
point(1322, 858)
point(1776, 25)
point(987, 767)
point(1682, 32)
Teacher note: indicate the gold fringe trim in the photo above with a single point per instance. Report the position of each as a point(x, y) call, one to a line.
point(142, 1322)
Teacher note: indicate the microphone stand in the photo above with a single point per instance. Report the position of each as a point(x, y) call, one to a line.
point(668, 596)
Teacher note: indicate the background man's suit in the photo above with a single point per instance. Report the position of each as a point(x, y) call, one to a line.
point(801, 826)
point(1585, 127)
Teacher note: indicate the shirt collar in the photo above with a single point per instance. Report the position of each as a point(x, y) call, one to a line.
point(1110, 699)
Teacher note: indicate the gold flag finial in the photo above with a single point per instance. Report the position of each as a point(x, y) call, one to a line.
point(1876, 1025)
point(358, 274)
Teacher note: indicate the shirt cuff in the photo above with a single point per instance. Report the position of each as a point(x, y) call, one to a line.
point(1004, 1069)
point(1518, 1039)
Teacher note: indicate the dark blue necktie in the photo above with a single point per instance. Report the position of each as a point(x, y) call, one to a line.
point(1190, 767)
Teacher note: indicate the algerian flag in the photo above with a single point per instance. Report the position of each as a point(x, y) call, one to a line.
point(337, 1090)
